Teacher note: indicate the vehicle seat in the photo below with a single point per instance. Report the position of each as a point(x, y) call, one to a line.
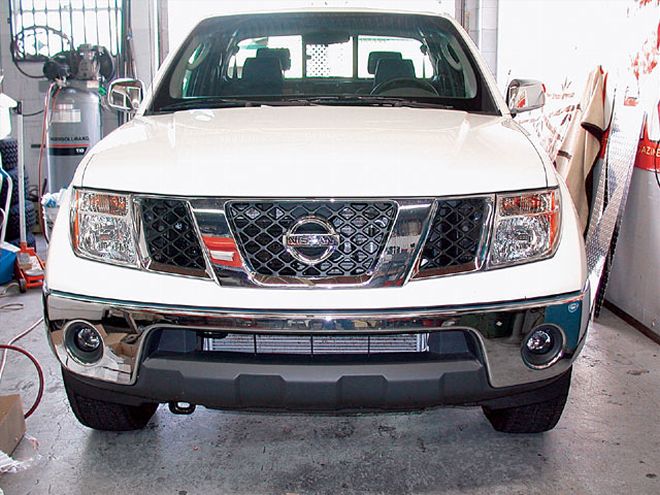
point(375, 57)
point(389, 69)
point(448, 81)
point(283, 54)
point(262, 76)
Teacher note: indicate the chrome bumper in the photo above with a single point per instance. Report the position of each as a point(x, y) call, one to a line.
point(499, 328)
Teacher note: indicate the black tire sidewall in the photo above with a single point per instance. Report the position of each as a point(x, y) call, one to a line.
point(9, 152)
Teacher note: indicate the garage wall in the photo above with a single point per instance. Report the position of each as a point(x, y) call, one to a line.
point(634, 283)
point(635, 279)
point(32, 91)
point(185, 14)
point(559, 42)
point(480, 19)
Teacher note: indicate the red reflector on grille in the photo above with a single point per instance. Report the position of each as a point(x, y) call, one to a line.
point(223, 251)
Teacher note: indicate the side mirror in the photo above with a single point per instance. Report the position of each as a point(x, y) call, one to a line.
point(125, 95)
point(524, 95)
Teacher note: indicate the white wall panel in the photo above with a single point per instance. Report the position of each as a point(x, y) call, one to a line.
point(635, 279)
point(32, 91)
point(185, 14)
point(555, 40)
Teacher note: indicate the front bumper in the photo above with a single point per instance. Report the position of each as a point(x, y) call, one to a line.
point(138, 362)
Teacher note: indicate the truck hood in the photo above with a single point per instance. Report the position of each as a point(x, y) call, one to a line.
point(315, 152)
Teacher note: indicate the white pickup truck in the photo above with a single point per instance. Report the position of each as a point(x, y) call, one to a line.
point(320, 210)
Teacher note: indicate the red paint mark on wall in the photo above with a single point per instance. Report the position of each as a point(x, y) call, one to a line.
point(648, 152)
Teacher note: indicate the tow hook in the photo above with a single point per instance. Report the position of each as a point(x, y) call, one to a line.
point(182, 408)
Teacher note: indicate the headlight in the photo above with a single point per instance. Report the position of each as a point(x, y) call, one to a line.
point(526, 227)
point(102, 227)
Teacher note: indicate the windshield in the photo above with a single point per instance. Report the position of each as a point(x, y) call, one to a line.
point(324, 58)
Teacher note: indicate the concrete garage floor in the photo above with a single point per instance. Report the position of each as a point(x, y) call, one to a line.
point(607, 442)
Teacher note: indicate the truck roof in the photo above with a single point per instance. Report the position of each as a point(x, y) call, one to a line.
point(328, 10)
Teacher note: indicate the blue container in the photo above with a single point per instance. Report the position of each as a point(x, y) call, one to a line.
point(7, 260)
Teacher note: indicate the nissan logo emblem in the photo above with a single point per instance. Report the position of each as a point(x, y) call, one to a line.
point(311, 240)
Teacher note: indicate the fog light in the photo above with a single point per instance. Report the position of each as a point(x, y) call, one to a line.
point(540, 342)
point(83, 342)
point(543, 347)
point(88, 339)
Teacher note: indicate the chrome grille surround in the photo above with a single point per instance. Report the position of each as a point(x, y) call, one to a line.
point(261, 229)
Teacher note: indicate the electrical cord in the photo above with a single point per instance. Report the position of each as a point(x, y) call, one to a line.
point(10, 345)
point(40, 372)
point(16, 54)
point(5, 291)
point(33, 114)
point(7, 308)
point(3, 360)
point(49, 99)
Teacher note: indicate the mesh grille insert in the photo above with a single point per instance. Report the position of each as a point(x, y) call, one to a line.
point(363, 229)
point(455, 236)
point(170, 234)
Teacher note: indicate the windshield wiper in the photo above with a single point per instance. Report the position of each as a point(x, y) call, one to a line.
point(207, 103)
point(378, 101)
point(204, 103)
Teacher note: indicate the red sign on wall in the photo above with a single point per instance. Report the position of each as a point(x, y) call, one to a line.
point(648, 152)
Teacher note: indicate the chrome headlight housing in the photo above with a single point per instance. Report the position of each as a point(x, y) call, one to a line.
point(102, 227)
point(527, 227)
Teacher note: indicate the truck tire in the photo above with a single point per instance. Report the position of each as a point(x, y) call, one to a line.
point(30, 240)
point(5, 188)
point(106, 416)
point(9, 152)
point(14, 221)
point(14, 192)
point(532, 418)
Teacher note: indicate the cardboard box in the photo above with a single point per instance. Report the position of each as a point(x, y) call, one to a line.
point(12, 422)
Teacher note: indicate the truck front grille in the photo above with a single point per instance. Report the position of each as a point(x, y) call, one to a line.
point(317, 344)
point(457, 234)
point(363, 228)
point(358, 232)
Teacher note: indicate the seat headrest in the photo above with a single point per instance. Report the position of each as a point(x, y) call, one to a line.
point(284, 54)
point(388, 69)
point(267, 69)
point(375, 57)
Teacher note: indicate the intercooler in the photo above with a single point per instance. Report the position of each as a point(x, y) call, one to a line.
point(317, 344)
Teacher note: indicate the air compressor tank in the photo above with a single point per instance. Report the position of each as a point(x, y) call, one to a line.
point(75, 126)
